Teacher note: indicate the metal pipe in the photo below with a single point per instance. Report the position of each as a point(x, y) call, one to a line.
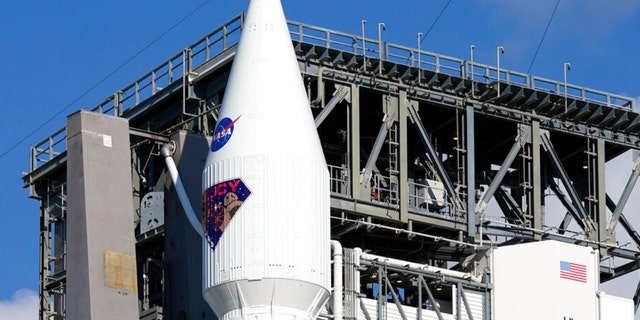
point(499, 51)
point(336, 248)
point(473, 83)
point(419, 57)
point(381, 26)
point(566, 67)
point(419, 267)
point(167, 151)
point(363, 22)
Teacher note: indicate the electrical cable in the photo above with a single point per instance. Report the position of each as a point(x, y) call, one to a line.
point(105, 78)
point(543, 36)
point(436, 20)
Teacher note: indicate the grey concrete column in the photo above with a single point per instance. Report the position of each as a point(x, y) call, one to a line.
point(101, 262)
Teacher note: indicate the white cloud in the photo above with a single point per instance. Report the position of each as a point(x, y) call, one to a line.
point(23, 305)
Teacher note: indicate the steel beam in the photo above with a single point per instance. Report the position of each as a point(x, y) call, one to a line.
point(432, 154)
point(535, 195)
point(470, 173)
point(624, 222)
point(566, 182)
point(631, 183)
point(341, 93)
point(512, 206)
point(436, 308)
point(568, 205)
point(636, 298)
point(375, 152)
point(597, 192)
point(403, 188)
point(354, 144)
point(466, 303)
point(497, 180)
point(396, 300)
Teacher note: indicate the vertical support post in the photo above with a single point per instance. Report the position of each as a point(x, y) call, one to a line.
point(354, 135)
point(117, 103)
point(458, 302)
point(45, 272)
point(537, 186)
point(380, 295)
point(597, 191)
point(532, 176)
point(403, 196)
point(420, 279)
point(470, 171)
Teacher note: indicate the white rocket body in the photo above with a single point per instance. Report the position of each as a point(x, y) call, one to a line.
point(266, 185)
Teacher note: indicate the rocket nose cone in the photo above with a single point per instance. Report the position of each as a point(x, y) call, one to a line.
point(265, 108)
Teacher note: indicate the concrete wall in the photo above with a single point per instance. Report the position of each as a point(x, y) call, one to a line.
point(101, 268)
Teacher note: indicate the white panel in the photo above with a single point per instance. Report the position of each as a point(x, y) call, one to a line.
point(475, 301)
point(615, 308)
point(528, 285)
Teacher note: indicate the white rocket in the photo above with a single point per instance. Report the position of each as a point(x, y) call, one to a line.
point(266, 184)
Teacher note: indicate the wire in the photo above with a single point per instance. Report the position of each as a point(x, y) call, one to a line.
point(436, 20)
point(543, 36)
point(105, 78)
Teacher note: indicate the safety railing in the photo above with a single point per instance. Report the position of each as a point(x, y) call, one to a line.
point(378, 49)
point(383, 190)
point(228, 35)
point(339, 180)
point(164, 75)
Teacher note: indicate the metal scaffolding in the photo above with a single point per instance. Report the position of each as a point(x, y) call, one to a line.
point(419, 147)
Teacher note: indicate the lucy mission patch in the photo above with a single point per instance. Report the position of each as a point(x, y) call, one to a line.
point(220, 204)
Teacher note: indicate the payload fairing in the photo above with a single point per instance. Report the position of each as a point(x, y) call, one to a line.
point(266, 185)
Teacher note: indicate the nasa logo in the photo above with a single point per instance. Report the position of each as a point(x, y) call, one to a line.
point(219, 205)
point(223, 133)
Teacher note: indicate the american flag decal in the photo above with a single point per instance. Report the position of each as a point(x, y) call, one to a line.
point(573, 271)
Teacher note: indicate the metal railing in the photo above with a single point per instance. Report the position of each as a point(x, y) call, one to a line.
point(164, 75)
point(228, 35)
point(339, 180)
point(448, 65)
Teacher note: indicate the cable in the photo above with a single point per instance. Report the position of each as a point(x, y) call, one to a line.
point(436, 20)
point(55, 115)
point(543, 36)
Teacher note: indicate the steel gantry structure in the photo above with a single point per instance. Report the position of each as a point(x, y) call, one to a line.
point(433, 159)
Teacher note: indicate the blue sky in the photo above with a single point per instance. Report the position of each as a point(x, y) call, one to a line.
point(53, 51)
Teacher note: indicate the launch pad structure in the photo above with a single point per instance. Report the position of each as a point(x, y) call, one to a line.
point(417, 144)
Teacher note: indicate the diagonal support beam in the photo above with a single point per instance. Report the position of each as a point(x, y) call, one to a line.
point(571, 209)
point(396, 300)
point(565, 222)
point(465, 301)
point(521, 139)
point(375, 151)
point(341, 93)
point(433, 156)
point(517, 215)
point(624, 222)
point(433, 301)
point(566, 182)
point(631, 183)
point(636, 298)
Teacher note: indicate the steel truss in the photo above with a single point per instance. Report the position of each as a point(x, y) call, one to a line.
point(417, 144)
